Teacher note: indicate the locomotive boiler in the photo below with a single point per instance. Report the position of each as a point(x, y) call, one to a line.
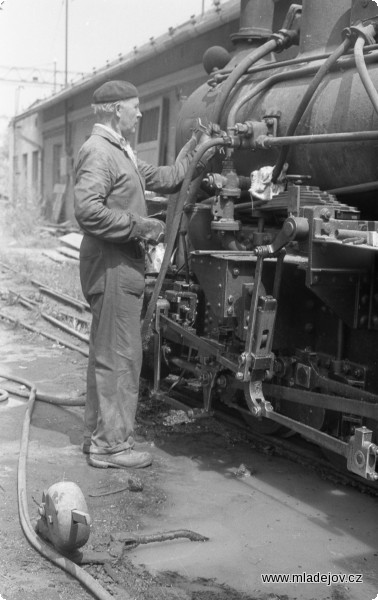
point(268, 289)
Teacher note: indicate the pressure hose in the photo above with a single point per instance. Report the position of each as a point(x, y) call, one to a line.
point(184, 199)
point(346, 62)
point(363, 72)
point(238, 72)
point(267, 83)
point(322, 72)
point(42, 547)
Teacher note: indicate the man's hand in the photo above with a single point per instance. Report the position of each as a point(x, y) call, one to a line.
point(208, 155)
point(149, 230)
point(204, 134)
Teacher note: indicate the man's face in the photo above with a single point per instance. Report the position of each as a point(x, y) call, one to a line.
point(129, 113)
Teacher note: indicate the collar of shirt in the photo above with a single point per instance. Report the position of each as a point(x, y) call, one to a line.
point(125, 145)
point(117, 137)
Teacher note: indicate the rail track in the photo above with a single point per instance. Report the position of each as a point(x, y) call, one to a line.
point(70, 315)
point(291, 447)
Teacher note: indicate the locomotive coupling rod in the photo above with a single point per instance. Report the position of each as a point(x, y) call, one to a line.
point(360, 452)
point(320, 438)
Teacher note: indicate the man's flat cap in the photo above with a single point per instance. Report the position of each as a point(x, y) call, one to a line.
point(112, 91)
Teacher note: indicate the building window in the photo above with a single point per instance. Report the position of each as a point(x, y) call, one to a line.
point(148, 129)
point(25, 168)
point(57, 155)
point(35, 157)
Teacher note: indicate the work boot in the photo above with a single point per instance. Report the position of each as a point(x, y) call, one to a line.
point(127, 459)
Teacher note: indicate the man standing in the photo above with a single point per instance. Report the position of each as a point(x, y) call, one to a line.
point(110, 209)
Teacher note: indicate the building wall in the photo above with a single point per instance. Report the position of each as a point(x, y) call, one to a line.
point(163, 96)
point(165, 74)
point(26, 160)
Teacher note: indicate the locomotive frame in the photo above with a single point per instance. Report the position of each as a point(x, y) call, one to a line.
point(270, 298)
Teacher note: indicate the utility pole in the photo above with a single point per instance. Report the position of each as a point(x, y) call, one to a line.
point(66, 48)
point(54, 88)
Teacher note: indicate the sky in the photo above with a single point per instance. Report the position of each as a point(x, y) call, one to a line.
point(32, 39)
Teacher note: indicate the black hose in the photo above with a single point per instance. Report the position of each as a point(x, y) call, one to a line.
point(363, 72)
point(263, 85)
point(302, 58)
point(184, 199)
point(324, 69)
point(238, 72)
point(42, 547)
point(345, 63)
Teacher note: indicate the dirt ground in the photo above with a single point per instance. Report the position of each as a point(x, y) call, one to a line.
point(272, 516)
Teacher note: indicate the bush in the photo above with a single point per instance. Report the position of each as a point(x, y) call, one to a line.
point(21, 221)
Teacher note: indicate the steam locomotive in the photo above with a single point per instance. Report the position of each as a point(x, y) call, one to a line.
point(268, 290)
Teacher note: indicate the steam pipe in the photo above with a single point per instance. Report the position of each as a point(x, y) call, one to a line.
point(355, 189)
point(352, 136)
point(324, 69)
point(363, 72)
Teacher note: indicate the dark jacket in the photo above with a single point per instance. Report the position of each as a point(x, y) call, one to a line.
point(109, 193)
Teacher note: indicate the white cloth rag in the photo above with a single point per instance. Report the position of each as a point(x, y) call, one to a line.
point(262, 187)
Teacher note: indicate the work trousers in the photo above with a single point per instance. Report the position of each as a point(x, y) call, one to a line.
point(115, 359)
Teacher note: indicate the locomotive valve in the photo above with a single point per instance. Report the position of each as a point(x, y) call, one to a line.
point(293, 228)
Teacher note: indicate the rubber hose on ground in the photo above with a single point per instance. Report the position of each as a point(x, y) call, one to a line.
point(42, 547)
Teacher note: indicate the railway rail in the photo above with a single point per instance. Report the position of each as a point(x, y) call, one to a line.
point(180, 397)
point(291, 447)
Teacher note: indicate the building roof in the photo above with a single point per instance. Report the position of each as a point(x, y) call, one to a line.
point(197, 25)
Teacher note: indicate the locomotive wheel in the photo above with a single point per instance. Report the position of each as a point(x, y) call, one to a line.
point(260, 426)
point(313, 416)
point(263, 426)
